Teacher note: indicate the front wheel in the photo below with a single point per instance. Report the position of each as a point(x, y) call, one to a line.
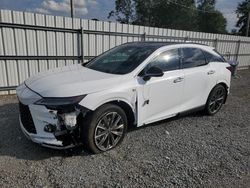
point(215, 100)
point(104, 129)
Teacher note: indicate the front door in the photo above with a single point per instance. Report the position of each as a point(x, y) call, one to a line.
point(161, 97)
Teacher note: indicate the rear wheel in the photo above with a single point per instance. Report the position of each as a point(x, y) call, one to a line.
point(104, 129)
point(215, 100)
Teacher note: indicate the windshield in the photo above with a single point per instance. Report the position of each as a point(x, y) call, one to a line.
point(122, 59)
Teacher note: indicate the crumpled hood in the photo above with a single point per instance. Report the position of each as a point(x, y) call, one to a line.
point(71, 81)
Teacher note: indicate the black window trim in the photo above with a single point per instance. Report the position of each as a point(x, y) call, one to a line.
point(207, 62)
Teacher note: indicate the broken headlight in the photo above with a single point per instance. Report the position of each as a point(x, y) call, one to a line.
point(57, 103)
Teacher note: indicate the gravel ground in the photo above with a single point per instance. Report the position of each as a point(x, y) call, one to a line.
point(189, 151)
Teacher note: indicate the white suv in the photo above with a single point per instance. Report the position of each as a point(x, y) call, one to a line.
point(133, 84)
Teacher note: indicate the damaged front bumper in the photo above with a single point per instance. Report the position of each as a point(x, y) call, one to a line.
point(50, 142)
point(61, 136)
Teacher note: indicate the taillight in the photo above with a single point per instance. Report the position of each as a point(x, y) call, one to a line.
point(230, 68)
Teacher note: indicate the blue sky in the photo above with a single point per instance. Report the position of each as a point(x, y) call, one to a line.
point(97, 8)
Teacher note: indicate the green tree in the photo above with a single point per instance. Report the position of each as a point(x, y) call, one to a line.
point(145, 12)
point(174, 14)
point(124, 11)
point(179, 14)
point(243, 10)
point(209, 19)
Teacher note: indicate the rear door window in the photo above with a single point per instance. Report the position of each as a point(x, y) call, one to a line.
point(192, 57)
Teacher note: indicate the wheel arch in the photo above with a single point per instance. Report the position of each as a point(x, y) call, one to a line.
point(224, 84)
point(226, 88)
point(128, 109)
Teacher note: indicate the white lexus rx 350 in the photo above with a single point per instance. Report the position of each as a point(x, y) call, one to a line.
point(130, 85)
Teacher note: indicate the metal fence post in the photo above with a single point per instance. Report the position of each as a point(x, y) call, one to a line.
point(237, 50)
point(82, 45)
point(143, 37)
point(228, 55)
point(215, 43)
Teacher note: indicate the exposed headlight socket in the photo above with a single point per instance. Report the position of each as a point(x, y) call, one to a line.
point(69, 119)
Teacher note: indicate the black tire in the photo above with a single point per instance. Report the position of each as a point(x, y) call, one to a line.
point(215, 100)
point(90, 123)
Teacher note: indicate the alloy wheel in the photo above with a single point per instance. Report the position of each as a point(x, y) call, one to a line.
point(109, 131)
point(216, 100)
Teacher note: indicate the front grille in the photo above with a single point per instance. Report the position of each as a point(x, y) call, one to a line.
point(26, 118)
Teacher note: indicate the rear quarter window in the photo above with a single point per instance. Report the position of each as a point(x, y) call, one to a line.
point(213, 57)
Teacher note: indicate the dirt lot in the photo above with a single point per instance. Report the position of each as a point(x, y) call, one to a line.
point(190, 151)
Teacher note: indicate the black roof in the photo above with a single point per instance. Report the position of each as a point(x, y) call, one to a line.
point(157, 44)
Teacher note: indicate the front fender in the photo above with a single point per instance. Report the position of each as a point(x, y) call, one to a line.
point(95, 100)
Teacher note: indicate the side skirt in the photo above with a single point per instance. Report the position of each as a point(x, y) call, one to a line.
point(183, 113)
point(196, 109)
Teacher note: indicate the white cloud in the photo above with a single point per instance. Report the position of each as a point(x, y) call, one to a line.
point(80, 6)
point(231, 20)
point(41, 10)
point(52, 5)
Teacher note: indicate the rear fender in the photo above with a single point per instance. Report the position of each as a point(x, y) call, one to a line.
point(224, 82)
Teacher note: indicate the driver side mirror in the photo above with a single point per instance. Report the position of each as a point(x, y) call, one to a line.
point(152, 72)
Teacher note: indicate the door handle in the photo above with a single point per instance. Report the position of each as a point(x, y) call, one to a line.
point(210, 72)
point(179, 79)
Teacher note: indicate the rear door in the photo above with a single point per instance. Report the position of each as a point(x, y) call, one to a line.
point(198, 78)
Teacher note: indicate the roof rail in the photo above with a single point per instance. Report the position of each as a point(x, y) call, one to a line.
point(190, 42)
